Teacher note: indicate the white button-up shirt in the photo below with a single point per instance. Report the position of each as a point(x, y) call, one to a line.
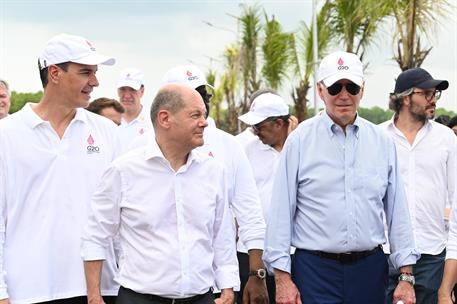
point(175, 228)
point(428, 168)
point(45, 188)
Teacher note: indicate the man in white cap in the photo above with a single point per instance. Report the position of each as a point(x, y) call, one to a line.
point(52, 155)
point(5, 95)
point(243, 196)
point(337, 175)
point(427, 156)
point(271, 123)
point(135, 119)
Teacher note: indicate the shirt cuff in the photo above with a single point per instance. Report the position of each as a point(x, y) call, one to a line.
point(228, 277)
point(92, 252)
point(451, 254)
point(254, 244)
point(3, 293)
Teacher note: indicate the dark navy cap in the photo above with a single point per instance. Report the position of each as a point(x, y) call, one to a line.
point(418, 78)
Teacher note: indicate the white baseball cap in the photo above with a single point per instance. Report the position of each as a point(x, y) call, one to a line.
point(265, 106)
point(186, 74)
point(63, 48)
point(341, 65)
point(131, 77)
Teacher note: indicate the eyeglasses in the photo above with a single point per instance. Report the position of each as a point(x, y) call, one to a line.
point(336, 88)
point(257, 127)
point(429, 94)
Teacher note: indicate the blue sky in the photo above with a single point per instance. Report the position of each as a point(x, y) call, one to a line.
point(157, 35)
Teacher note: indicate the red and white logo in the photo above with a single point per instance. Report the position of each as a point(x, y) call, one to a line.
point(190, 77)
point(141, 131)
point(189, 73)
point(128, 75)
point(341, 65)
point(91, 148)
point(210, 154)
point(92, 48)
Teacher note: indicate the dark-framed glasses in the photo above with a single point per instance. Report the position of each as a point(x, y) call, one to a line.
point(336, 88)
point(429, 94)
point(258, 127)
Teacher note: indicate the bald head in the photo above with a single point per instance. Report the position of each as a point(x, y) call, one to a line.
point(172, 97)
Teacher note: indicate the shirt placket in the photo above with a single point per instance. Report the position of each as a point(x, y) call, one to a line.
point(182, 234)
point(349, 162)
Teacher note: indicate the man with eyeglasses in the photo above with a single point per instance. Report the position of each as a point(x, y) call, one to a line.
point(427, 156)
point(336, 176)
point(270, 121)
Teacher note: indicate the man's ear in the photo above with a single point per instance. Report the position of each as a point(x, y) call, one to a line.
point(54, 73)
point(163, 119)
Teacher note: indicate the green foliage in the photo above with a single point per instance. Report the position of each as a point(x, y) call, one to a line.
point(18, 100)
point(375, 114)
point(442, 111)
point(275, 53)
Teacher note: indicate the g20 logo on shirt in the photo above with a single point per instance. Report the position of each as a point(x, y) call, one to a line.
point(91, 148)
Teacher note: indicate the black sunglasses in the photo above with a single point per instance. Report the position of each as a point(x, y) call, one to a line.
point(336, 88)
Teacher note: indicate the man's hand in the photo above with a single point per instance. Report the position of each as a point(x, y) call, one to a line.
point(255, 291)
point(444, 297)
point(94, 299)
point(404, 292)
point(286, 291)
point(227, 297)
point(293, 123)
point(5, 301)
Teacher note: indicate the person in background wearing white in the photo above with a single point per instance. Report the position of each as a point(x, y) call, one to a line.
point(52, 155)
point(135, 120)
point(427, 156)
point(5, 95)
point(271, 124)
point(168, 202)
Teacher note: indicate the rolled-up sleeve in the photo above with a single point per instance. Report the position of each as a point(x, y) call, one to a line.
point(246, 203)
point(104, 217)
point(283, 207)
point(451, 248)
point(402, 245)
point(225, 263)
point(3, 288)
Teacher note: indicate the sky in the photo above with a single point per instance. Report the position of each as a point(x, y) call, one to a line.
point(155, 36)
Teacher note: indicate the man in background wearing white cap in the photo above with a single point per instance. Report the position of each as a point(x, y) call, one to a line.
point(5, 95)
point(52, 155)
point(427, 156)
point(243, 196)
point(271, 123)
point(135, 120)
point(337, 175)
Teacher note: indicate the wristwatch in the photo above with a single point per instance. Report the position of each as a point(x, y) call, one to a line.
point(407, 278)
point(259, 273)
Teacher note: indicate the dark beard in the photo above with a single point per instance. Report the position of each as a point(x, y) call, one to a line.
point(420, 117)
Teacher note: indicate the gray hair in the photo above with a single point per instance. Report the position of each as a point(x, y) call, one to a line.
point(396, 100)
point(167, 98)
point(4, 84)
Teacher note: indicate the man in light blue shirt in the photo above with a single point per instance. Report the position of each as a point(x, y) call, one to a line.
point(338, 174)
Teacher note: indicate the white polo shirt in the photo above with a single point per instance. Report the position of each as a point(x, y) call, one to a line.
point(174, 226)
point(245, 137)
point(128, 131)
point(46, 184)
point(428, 168)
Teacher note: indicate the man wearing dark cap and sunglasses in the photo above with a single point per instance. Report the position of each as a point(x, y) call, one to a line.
point(427, 156)
point(336, 176)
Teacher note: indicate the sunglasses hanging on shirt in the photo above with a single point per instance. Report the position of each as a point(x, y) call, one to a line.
point(336, 88)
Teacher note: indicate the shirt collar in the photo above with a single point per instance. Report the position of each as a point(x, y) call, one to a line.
point(331, 126)
point(33, 120)
point(153, 151)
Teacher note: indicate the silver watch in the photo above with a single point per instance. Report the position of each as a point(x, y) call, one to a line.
point(259, 273)
point(407, 278)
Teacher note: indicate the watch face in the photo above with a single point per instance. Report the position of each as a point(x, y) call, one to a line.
point(261, 273)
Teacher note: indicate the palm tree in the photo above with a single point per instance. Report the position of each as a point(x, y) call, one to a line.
point(415, 19)
point(276, 53)
point(302, 57)
point(229, 87)
point(251, 27)
point(355, 22)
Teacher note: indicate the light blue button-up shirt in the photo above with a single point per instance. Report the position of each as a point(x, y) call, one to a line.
point(331, 190)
